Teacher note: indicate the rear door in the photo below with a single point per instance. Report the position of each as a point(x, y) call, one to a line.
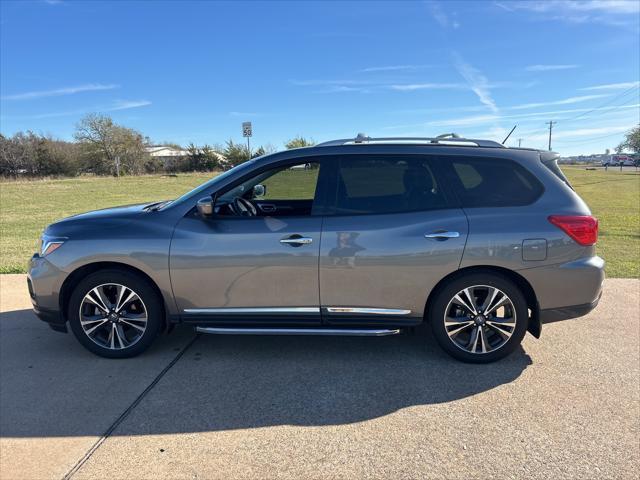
point(392, 235)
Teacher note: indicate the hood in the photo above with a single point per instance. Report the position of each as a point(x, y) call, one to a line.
point(113, 212)
point(105, 218)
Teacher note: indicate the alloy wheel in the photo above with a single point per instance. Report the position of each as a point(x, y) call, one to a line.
point(480, 319)
point(113, 316)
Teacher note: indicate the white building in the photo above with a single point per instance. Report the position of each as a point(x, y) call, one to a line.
point(168, 155)
point(163, 151)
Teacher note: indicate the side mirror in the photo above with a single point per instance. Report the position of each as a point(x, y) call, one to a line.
point(205, 207)
point(259, 190)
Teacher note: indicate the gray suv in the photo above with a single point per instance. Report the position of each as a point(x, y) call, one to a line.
point(360, 236)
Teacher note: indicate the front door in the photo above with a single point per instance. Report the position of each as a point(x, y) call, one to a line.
point(259, 267)
point(392, 237)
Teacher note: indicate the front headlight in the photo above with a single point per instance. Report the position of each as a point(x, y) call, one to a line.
point(48, 244)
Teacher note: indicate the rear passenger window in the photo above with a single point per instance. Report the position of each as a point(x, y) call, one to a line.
point(486, 182)
point(372, 184)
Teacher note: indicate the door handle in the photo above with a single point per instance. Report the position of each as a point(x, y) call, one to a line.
point(442, 235)
point(296, 240)
point(267, 207)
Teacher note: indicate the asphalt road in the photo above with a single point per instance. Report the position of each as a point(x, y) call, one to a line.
point(565, 406)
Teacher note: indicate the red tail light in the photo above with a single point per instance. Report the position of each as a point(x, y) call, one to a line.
point(582, 228)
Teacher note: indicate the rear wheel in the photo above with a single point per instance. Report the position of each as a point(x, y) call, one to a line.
point(479, 318)
point(115, 314)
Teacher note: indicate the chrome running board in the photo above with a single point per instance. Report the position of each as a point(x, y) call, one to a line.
point(360, 332)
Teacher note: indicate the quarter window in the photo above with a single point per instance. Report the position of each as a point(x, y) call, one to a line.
point(377, 185)
point(486, 182)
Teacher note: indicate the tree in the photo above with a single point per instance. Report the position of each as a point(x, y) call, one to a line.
point(35, 155)
point(111, 148)
point(236, 153)
point(13, 156)
point(299, 141)
point(55, 157)
point(202, 159)
point(631, 141)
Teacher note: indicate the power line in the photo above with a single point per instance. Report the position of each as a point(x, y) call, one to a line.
point(591, 138)
point(603, 105)
point(598, 109)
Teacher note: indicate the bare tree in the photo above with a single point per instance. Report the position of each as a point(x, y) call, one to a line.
point(111, 148)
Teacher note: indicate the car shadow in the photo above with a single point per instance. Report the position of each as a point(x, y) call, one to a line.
point(226, 382)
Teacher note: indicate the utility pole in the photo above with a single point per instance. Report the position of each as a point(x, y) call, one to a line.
point(551, 123)
point(519, 142)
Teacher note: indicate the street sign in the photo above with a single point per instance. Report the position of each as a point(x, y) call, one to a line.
point(246, 129)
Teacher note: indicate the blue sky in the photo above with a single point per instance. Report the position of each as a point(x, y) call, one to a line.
point(193, 71)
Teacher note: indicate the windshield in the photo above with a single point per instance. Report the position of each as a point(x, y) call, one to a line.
point(218, 178)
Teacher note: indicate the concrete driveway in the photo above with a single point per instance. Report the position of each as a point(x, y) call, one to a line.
point(565, 406)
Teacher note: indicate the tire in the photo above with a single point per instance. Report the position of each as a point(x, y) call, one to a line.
point(500, 332)
point(113, 337)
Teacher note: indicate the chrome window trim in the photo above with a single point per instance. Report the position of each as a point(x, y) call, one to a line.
point(368, 310)
point(213, 311)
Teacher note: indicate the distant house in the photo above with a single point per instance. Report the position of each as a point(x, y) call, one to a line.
point(164, 151)
point(169, 156)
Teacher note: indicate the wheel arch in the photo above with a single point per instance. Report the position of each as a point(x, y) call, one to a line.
point(534, 325)
point(78, 274)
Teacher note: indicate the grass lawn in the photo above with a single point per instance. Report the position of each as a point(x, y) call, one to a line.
point(26, 207)
point(614, 198)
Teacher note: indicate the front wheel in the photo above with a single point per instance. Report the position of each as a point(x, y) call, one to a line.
point(479, 318)
point(115, 314)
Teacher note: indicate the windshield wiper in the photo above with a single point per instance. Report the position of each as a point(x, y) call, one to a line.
point(152, 207)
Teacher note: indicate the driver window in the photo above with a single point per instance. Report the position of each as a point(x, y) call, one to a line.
point(282, 191)
point(297, 182)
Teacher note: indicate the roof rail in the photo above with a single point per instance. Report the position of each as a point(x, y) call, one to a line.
point(444, 139)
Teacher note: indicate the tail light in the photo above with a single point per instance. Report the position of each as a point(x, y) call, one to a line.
point(582, 228)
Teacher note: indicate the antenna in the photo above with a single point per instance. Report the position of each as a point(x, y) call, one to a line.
point(507, 137)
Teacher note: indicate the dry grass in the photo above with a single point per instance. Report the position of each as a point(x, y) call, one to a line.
point(26, 207)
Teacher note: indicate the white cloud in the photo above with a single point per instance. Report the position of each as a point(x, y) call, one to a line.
point(566, 101)
point(588, 132)
point(113, 107)
point(529, 117)
point(337, 86)
point(394, 68)
point(368, 86)
point(613, 86)
point(307, 83)
point(91, 87)
point(559, 134)
point(343, 89)
point(127, 104)
point(611, 12)
point(466, 121)
point(427, 86)
point(602, 6)
point(439, 14)
point(548, 68)
point(476, 81)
